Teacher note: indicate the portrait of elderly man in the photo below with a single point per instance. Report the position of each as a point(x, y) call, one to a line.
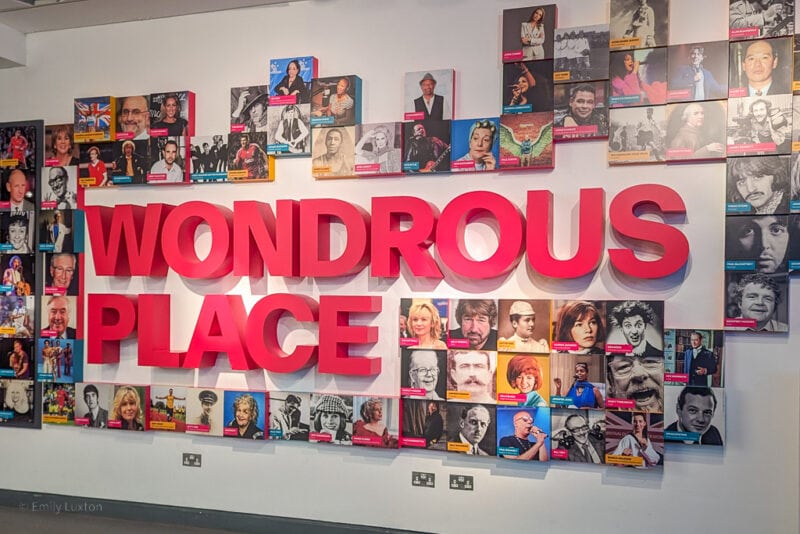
point(477, 320)
point(520, 440)
point(475, 428)
point(695, 409)
point(639, 378)
point(640, 324)
point(134, 116)
point(696, 131)
point(472, 372)
point(759, 299)
point(763, 240)
point(59, 191)
point(584, 444)
point(523, 320)
point(423, 371)
point(760, 181)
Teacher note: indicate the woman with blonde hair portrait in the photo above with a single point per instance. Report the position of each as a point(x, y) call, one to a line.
point(372, 425)
point(425, 324)
point(61, 146)
point(127, 409)
point(245, 418)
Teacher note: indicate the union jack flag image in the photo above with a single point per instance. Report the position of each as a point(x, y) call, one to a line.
point(92, 114)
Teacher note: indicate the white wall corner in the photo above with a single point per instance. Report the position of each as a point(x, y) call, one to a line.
point(12, 47)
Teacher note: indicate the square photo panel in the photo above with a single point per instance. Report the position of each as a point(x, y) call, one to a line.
point(17, 192)
point(18, 274)
point(423, 323)
point(58, 316)
point(290, 80)
point(168, 408)
point(131, 161)
point(331, 419)
point(794, 243)
point(95, 165)
point(639, 23)
point(376, 421)
point(58, 404)
point(249, 108)
point(528, 33)
point(60, 360)
point(472, 429)
point(637, 135)
point(245, 415)
point(336, 101)
point(635, 327)
point(794, 188)
point(524, 326)
point(429, 95)
point(523, 379)
point(426, 146)
point(133, 118)
point(697, 72)
point(471, 376)
point(247, 160)
point(756, 302)
point(168, 160)
point(425, 423)
point(379, 149)
point(757, 243)
point(16, 316)
point(758, 185)
point(795, 123)
point(60, 149)
point(289, 415)
point(694, 357)
point(423, 373)
point(760, 68)
point(523, 433)
point(581, 54)
point(581, 111)
point(129, 408)
point(17, 402)
point(796, 70)
point(289, 130)
point(56, 231)
point(172, 114)
point(579, 381)
point(476, 145)
point(17, 232)
point(527, 87)
point(638, 77)
point(59, 188)
point(760, 125)
point(526, 141)
point(17, 360)
point(472, 324)
point(635, 439)
point(578, 435)
point(695, 416)
point(19, 145)
point(93, 400)
point(696, 131)
point(204, 411)
point(763, 18)
point(95, 119)
point(333, 153)
point(580, 327)
point(208, 158)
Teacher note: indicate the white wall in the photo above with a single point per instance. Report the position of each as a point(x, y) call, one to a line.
point(751, 485)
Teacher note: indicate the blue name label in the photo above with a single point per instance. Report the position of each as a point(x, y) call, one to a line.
point(209, 177)
point(794, 205)
point(46, 247)
point(507, 451)
point(6, 246)
point(7, 372)
point(519, 108)
point(625, 99)
point(794, 265)
point(278, 148)
point(740, 265)
point(5, 414)
point(560, 401)
point(122, 180)
point(322, 121)
point(738, 207)
point(674, 435)
point(275, 433)
point(411, 165)
point(45, 376)
point(6, 289)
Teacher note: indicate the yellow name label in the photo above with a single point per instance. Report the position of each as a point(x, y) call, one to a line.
point(561, 76)
point(620, 459)
point(238, 174)
point(457, 446)
point(460, 395)
point(629, 156)
point(12, 162)
point(625, 42)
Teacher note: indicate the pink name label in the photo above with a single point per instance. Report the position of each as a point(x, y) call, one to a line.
point(366, 440)
point(82, 421)
point(468, 164)
point(158, 132)
point(588, 129)
point(157, 177)
point(320, 436)
point(511, 397)
point(623, 404)
point(458, 343)
point(237, 128)
point(677, 93)
point(122, 136)
point(282, 100)
point(114, 424)
point(738, 322)
point(230, 432)
point(51, 162)
point(618, 348)
point(738, 33)
point(413, 442)
point(5, 204)
point(412, 392)
point(735, 92)
point(559, 454)
point(49, 204)
point(565, 345)
point(509, 160)
point(408, 341)
point(680, 152)
point(414, 116)
point(46, 332)
point(752, 147)
point(51, 290)
point(512, 55)
point(190, 427)
point(683, 378)
point(368, 167)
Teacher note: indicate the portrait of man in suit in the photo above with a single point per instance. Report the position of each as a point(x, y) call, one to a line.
point(698, 362)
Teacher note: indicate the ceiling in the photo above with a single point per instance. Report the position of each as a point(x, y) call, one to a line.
point(47, 15)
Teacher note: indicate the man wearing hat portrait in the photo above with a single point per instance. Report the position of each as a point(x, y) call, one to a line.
point(97, 416)
point(523, 321)
point(129, 163)
point(251, 109)
point(208, 399)
point(432, 105)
